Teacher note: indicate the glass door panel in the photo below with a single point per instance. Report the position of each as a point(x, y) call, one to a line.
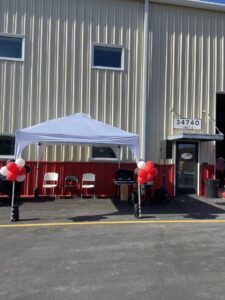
point(186, 167)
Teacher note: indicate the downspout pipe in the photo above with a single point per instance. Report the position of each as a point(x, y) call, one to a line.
point(144, 95)
point(144, 82)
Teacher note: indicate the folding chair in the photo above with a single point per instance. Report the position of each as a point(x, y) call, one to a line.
point(70, 182)
point(50, 181)
point(88, 183)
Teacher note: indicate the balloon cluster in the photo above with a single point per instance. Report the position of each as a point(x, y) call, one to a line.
point(15, 170)
point(146, 171)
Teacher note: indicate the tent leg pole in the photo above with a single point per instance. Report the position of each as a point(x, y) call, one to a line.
point(36, 180)
point(120, 155)
point(40, 152)
point(37, 171)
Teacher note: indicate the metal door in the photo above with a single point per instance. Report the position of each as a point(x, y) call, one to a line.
point(186, 167)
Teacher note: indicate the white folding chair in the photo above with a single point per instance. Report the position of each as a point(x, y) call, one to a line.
point(50, 181)
point(88, 183)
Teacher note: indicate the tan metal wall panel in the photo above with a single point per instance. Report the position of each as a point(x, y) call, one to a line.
point(56, 77)
point(186, 68)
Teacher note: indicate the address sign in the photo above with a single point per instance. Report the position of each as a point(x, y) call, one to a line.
point(183, 123)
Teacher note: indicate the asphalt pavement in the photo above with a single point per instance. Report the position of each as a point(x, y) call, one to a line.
point(96, 249)
point(43, 209)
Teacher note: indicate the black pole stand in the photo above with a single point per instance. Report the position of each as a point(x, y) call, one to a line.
point(14, 206)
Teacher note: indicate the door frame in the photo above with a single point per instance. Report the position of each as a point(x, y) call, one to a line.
point(187, 190)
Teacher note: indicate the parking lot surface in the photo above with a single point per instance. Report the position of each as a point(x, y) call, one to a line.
point(96, 249)
point(106, 209)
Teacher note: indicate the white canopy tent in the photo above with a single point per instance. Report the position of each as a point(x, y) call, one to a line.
point(75, 129)
point(79, 129)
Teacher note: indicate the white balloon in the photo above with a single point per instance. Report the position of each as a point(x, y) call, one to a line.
point(141, 164)
point(20, 162)
point(20, 178)
point(4, 171)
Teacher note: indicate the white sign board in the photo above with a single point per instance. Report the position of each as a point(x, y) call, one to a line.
point(183, 123)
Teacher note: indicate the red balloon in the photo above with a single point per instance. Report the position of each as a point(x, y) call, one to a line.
point(155, 172)
point(150, 164)
point(149, 177)
point(148, 168)
point(141, 180)
point(21, 171)
point(12, 166)
point(11, 176)
point(142, 173)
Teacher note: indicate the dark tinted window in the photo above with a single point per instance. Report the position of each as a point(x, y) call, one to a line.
point(11, 47)
point(7, 145)
point(102, 152)
point(107, 57)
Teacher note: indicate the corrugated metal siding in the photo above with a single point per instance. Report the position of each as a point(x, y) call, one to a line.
point(105, 175)
point(56, 78)
point(206, 172)
point(186, 68)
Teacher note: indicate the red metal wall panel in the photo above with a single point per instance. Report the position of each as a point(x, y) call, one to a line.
point(206, 172)
point(105, 173)
point(165, 177)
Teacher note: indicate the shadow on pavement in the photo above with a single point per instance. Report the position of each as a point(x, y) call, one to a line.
point(200, 216)
point(34, 219)
point(220, 203)
point(5, 201)
point(83, 210)
point(196, 208)
point(186, 206)
point(88, 218)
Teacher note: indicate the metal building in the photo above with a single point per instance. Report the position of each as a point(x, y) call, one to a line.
point(186, 72)
point(155, 68)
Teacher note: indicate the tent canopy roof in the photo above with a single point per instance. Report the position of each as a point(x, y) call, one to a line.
point(77, 128)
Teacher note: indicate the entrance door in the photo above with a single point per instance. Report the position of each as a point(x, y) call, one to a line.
point(186, 167)
point(220, 124)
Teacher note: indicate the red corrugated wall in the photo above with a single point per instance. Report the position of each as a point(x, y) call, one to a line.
point(206, 172)
point(165, 178)
point(105, 173)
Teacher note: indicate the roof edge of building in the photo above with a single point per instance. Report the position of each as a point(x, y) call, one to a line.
point(194, 4)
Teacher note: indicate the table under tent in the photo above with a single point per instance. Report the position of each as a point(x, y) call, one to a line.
point(78, 129)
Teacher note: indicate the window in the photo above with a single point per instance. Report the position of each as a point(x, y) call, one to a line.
point(108, 57)
point(11, 47)
point(7, 145)
point(104, 153)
